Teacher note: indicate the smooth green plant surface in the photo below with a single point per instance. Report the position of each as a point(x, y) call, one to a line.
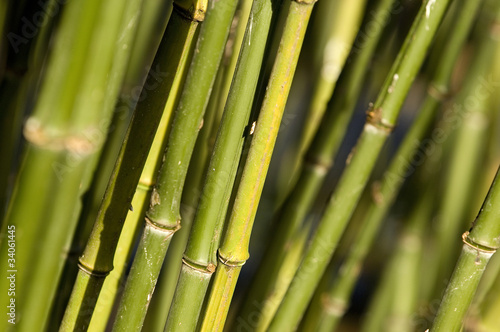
point(167, 165)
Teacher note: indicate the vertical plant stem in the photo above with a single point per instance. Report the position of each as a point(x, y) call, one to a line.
point(316, 164)
point(97, 259)
point(380, 121)
point(167, 281)
point(163, 215)
point(234, 249)
point(341, 27)
point(200, 257)
point(401, 165)
point(467, 156)
point(479, 245)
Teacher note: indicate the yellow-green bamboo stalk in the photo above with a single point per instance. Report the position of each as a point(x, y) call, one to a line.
point(315, 167)
point(401, 165)
point(130, 230)
point(234, 250)
point(480, 243)
point(467, 154)
point(97, 259)
point(153, 17)
point(163, 216)
point(200, 257)
point(380, 121)
point(167, 281)
point(340, 23)
point(55, 135)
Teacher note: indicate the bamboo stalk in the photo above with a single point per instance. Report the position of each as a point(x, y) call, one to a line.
point(234, 249)
point(401, 164)
point(200, 257)
point(467, 158)
point(97, 259)
point(163, 216)
point(479, 245)
point(316, 164)
point(340, 34)
point(167, 281)
point(407, 258)
point(105, 68)
point(52, 136)
point(380, 121)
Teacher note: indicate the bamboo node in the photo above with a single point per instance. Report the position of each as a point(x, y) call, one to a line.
point(377, 195)
point(228, 261)
point(39, 136)
point(91, 272)
point(440, 93)
point(168, 229)
point(192, 10)
point(476, 246)
point(318, 165)
point(306, 2)
point(206, 269)
point(334, 307)
point(374, 119)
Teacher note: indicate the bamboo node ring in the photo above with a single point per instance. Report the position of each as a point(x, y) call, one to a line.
point(476, 246)
point(228, 261)
point(92, 273)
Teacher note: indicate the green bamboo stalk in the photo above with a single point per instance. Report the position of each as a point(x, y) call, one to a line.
point(160, 304)
point(153, 17)
point(97, 259)
point(316, 164)
point(479, 245)
point(467, 157)
point(234, 249)
point(50, 138)
point(157, 313)
point(132, 224)
point(403, 163)
point(105, 67)
point(200, 258)
point(340, 24)
point(489, 317)
point(23, 59)
point(375, 316)
point(380, 121)
point(408, 254)
point(163, 216)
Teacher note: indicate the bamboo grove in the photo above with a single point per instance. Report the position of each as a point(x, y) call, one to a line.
point(250, 165)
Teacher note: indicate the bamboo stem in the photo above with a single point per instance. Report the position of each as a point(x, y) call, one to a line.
point(316, 164)
point(380, 121)
point(97, 259)
point(341, 33)
point(200, 257)
point(163, 215)
point(467, 156)
point(479, 245)
point(401, 165)
point(234, 249)
point(169, 275)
